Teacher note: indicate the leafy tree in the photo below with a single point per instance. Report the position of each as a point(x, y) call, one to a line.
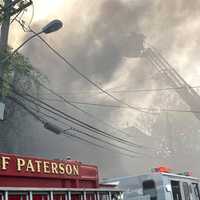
point(20, 74)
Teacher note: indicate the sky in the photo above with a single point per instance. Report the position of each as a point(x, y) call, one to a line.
point(158, 25)
point(94, 39)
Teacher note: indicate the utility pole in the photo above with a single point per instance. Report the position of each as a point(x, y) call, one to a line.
point(5, 25)
point(3, 48)
point(4, 39)
point(10, 8)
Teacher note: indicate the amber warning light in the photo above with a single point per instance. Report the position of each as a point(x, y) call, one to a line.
point(161, 169)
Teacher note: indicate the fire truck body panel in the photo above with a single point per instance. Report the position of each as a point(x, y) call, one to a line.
point(159, 186)
point(29, 178)
point(21, 171)
point(133, 186)
point(18, 193)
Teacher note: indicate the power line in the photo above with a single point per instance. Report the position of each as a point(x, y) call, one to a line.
point(72, 119)
point(148, 110)
point(98, 131)
point(83, 111)
point(26, 108)
point(100, 146)
point(71, 128)
point(93, 117)
point(84, 76)
point(87, 141)
point(56, 119)
point(94, 137)
point(74, 129)
point(15, 17)
point(84, 125)
point(124, 107)
point(106, 142)
point(88, 114)
point(32, 15)
point(78, 108)
point(64, 131)
point(131, 90)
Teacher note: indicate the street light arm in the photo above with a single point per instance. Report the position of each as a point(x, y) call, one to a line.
point(19, 47)
point(49, 28)
point(30, 38)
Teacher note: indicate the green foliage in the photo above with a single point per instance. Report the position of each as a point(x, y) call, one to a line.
point(19, 72)
point(1, 5)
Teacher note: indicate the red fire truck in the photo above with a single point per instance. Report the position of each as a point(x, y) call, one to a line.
point(28, 178)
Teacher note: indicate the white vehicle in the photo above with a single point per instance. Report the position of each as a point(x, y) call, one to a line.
point(159, 185)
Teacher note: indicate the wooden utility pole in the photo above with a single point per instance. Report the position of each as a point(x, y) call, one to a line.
point(10, 8)
point(4, 39)
point(5, 25)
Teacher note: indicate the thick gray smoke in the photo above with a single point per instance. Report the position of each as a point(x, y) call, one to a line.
point(93, 40)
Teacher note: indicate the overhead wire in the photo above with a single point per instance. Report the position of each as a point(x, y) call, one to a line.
point(56, 111)
point(94, 137)
point(104, 147)
point(109, 143)
point(30, 111)
point(8, 6)
point(104, 91)
point(155, 110)
point(65, 132)
point(150, 109)
point(131, 90)
point(87, 113)
point(32, 15)
point(100, 146)
point(73, 67)
point(56, 119)
point(89, 126)
point(15, 17)
point(75, 129)
point(81, 125)
point(26, 108)
point(124, 107)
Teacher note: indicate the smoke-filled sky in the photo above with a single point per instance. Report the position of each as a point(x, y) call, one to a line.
point(93, 40)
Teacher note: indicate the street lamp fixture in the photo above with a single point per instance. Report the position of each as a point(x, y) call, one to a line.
point(52, 26)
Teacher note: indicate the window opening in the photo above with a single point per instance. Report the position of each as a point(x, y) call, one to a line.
point(176, 191)
point(149, 188)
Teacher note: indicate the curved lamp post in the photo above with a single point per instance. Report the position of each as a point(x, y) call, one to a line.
point(52, 26)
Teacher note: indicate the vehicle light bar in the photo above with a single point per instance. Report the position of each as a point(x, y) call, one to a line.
point(185, 173)
point(162, 169)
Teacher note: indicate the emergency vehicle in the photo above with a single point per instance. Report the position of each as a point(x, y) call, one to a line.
point(28, 178)
point(161, 184)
